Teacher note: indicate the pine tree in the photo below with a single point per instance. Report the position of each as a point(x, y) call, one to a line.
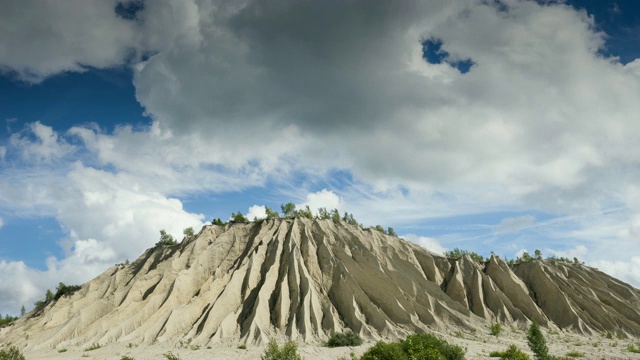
point(537, 342)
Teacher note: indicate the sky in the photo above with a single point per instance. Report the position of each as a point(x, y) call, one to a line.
point(497, 126)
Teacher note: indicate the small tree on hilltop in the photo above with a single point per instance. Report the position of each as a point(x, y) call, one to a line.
point(335, 215)
point(537, 342)
point(165, 239)
point(238, 218)
point(538, 254)
point(188, 232)
point(270, 213)
point(391, 232)
point(288, 210)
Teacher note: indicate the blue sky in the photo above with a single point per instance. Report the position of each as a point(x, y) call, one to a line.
point(502, 126)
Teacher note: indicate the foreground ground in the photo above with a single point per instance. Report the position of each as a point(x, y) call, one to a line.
point(478, 344)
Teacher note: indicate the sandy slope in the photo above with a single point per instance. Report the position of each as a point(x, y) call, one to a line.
point(303, 279)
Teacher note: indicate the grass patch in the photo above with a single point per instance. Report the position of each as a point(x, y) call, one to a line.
point(93, 346)
point(496, 329)
point(125, 357)
point(242, 347)
point(575, 354)
point(62, 350)
point(171, 356)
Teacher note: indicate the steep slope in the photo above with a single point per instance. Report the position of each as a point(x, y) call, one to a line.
point(305, 279)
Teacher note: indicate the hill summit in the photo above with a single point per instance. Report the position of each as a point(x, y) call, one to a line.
point(305, 279)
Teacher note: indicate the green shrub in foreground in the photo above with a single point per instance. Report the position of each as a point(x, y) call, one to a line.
point(416, 346)
point(512, 353)
point(12, 353)
point(537, 342)
point(288, 351)
point(349, 338)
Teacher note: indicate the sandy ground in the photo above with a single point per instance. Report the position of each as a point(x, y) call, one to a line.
point(478, 346)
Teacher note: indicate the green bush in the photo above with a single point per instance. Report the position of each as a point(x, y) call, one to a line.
point(65, 290)
point(416, 346)
point(537, 342)
point(496, 329)
point(288, 351)
point(165, 239)
point(125, 357)
point(12, 353)
point(385, 351)
point(512, 353)
point(349, 338)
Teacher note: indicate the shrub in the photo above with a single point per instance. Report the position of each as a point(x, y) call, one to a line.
point(496, 329)
point(8, 319)
point(288, 351)
point(125, 357)
point(238, 218)
point(12, 353)
point(537, 342)
point(416, 346)
point(349, 338)
point(424, 344)
point(62, 350)
point(633, 349)
point(512, 353)
point(242, 347)
point(385, 351)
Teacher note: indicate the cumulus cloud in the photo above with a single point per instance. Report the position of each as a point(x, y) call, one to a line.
point(322, 199)
point(39, 142)
point(41, 39)
point(256, 211)
point(628, 271)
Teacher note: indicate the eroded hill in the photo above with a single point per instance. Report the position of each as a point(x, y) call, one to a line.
point(305, 279)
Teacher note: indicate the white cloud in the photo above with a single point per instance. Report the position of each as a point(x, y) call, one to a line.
point(628, 271)
point(256, 211)
point(41, 39)
point(428, 243)
point(3, 153)
point(40, 143)
point(515, 224)
point(1, 223)
point(322, 199)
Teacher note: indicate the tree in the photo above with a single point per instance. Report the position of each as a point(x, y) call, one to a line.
point(217, 221)
point(270, 213)
point(23, 311)
point(323, 214)
point(335, 215)
point(238, 218)
point(49, 295)
point(165, 239)
point(380, 228)
point(538, 254)
point(288, 210)
point(457, 253)
point(537, 342)
point(391, 232)
point(305, 213)
point(188, 232)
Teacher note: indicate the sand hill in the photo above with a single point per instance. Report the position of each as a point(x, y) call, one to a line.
point(304, 279)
